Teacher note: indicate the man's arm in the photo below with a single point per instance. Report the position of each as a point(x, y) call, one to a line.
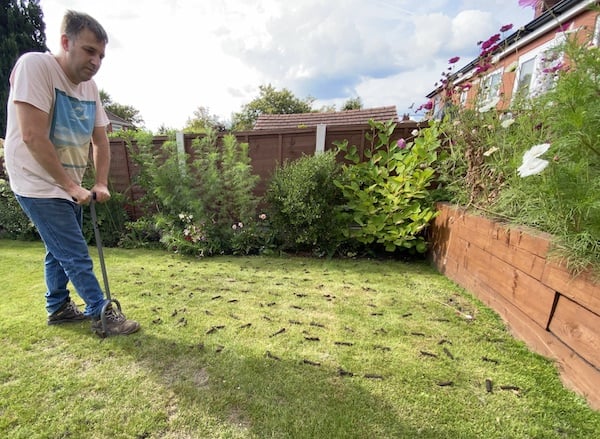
point(101, 157)
point(33, 124)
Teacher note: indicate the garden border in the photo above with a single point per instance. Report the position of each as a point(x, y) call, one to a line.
point(553, 312)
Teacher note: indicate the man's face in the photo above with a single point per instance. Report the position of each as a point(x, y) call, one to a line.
point(84, 56)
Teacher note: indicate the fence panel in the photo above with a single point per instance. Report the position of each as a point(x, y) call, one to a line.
point(267, 150)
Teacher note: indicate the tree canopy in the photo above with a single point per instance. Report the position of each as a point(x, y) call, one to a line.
point(353, 104)
point(23, 30)
point(270, 101)
point(126, 112)
point(202, 121)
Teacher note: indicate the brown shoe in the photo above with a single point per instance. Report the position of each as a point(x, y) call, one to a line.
point(67, 313)
point(116, 324)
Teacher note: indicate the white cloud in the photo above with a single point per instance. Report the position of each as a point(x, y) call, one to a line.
point(432, 33)
point(167, 57)
point(469, 27)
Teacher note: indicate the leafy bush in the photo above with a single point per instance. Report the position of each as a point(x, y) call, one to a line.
point(388, 200)
point(253, 237)
point(162, 175)
point(194, 199)
point(14, 224)
point(112, 218)
point(111, 215)
point(224, 176)
point(142, 233)
point(302, 200)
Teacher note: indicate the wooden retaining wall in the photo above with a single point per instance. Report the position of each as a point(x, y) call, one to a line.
point(555, 314)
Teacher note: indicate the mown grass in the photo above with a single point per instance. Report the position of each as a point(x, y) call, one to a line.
point(257, 347)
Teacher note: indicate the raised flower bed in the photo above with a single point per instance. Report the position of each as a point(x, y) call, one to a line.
point(555, 314)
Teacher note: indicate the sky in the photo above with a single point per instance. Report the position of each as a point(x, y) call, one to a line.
point(167, 58)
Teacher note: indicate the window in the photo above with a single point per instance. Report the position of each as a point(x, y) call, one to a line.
point(524, 75)
point(438, 108)
point(464, 94)
point(596, 39)
point(536, 73)
point(490, 87)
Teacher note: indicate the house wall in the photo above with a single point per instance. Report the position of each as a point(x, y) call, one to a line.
point(585, 21)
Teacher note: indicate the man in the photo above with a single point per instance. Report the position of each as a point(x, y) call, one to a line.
point(54, 110)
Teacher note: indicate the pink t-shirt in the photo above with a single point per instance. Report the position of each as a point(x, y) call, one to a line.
point(74, 110)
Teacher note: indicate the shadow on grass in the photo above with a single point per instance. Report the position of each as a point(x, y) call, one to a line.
point(261, 396)
point(254, 394)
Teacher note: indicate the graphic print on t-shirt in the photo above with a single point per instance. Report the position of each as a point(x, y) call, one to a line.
point(71, 130)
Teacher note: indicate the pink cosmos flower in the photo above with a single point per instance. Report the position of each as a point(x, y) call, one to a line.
point(426, 106)
point(490, 41)
point(401, 143)
point(483, 68)
point(556, 68)
point(453, 60)
point(506, 27)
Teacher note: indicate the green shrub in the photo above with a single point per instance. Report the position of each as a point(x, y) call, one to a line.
point(142, 233)
point(388, 201)
point(162, 174)
point(253, 237)
point(111, 215)
point(112, 218)
point(224, 177)
point(302, 200)
point(194, 199)
point(14, 224)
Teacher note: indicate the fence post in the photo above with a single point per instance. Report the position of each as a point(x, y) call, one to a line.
point(179, 138)
point(321, 131)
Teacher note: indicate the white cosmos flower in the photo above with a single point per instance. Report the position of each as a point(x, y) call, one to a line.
point(535, 151)
point(490, 151)
point(507, 122)
point(533, 165)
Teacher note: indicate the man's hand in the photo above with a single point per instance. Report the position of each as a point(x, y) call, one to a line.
point(80, 195)
point(102, 192)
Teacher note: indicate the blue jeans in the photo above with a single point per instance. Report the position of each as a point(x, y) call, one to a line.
point(59, 223)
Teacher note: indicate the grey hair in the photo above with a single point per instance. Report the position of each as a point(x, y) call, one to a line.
point(75, 22)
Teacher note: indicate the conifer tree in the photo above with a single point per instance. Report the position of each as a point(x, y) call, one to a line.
point(22, 29)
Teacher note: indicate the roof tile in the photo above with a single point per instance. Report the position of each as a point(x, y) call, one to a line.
point(306, 120)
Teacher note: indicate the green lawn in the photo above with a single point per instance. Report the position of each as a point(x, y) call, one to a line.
point(258, 347)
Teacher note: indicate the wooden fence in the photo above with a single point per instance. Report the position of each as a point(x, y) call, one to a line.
point(267, 150)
